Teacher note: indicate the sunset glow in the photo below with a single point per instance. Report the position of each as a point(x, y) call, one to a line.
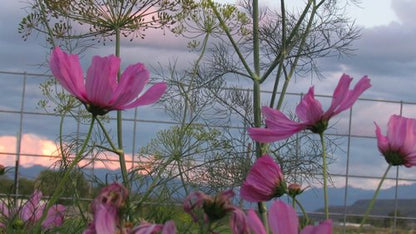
point(37, 150)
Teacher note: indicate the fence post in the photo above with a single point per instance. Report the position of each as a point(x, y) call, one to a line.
point(19, 142)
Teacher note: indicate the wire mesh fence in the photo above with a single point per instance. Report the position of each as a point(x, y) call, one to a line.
point(28, 135)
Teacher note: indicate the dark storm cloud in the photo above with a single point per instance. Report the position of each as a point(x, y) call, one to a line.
point(388, 55)
point(16, 54)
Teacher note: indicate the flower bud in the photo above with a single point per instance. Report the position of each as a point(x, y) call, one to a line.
point(219, 206)
point(294, 190)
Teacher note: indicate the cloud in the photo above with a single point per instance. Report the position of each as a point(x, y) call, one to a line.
point(36, 150)
point(387, 53)
point(405, 11)
point(31, 145)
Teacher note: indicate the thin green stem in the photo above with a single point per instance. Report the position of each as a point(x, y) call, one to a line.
point(284, 90)
point(74, 183)
point(233, 42)
point(46, 23)
point(373, 200)
point(293, 33)
point(77, 200)
point(263, 215)
point(181, 177)
point(113, 147)
point(154, 182)
point(106, 148)
point(61, 144)
point(283, 53)
point(118, 43)
point(276, 84)
point(256, 39)
point(305, 215)
point(187, 93)
point(115, 150)
point(188, 105)
point(257, 113)
point(58, 191)
point(297, 57)
point(120, 153)
point(257, 123)
point(325, 175)
point(256, 96)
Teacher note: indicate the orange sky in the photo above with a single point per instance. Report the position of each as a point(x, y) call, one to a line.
point(36, 150)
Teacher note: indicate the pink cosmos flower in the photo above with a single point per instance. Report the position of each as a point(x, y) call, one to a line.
point(215, 208)
point(100, 92)
point(399, 146)
point(32, 211)
point(310, 112)
point(193, 202)
point(264, 181)
point(105, 208)
point(282, 218)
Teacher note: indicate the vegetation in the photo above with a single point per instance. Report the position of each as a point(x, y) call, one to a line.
point(208, 149)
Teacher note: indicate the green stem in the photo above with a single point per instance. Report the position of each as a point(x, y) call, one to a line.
point(257, 113)
point(256, 97)
point(297, 57)
point(256, 40)
point(289, 39)
point(373, 200)
point(45, 22)
point(282, 53)
point(120, 152)
point(233, 42)
point(74, 183)
point(305, 215)
point(65, 177)
point(118, 43)
point(61, 144)
point(77, 201)
point(257, 123)
point(325, 175)
point(182, 178)
point(284, 90)
point(113, 147)
point(154, 183)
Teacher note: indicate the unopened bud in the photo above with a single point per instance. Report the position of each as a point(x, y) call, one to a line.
point(219, 206)
point(294, 190)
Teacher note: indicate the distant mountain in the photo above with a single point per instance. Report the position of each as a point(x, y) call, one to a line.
point(385, 207)
point(312, 199)
point(33, 171)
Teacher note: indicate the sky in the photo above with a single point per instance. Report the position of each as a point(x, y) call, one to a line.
point(386, 52)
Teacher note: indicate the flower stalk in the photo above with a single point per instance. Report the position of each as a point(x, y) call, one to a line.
point(305, 214)
point(58, 191)
point(120, 150)
point(373, 200)
point(325, 175)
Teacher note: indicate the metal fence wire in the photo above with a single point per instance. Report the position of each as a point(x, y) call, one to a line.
point(28, 133)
